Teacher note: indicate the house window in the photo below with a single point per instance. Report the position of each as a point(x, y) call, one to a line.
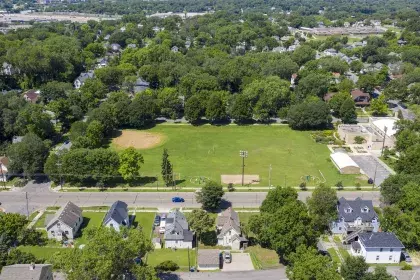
point(52, 233)
point(380, 250)
point(339, 228)
point(390, 258)
point(377, 258)
point(391, 250)
point(66, 232)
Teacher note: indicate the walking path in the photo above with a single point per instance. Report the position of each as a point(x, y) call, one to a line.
point(37, 217)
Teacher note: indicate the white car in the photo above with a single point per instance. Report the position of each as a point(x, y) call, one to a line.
point(162, 223)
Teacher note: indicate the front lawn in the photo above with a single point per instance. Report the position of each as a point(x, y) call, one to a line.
point(263, 258)
point(334, 255)
point(41, 221)
point(90, 220)
point(210, 151)
point(145, 220)
point(179, 256)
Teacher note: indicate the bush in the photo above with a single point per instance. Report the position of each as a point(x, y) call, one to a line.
point(167, 266)
point(230, 187)
point(359, 140)
point(358, 186)
point(302, 186)
point(339, 185)
point(406, 266)
point(21, 183)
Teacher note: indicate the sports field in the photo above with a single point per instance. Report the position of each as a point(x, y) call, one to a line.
point(211, 151)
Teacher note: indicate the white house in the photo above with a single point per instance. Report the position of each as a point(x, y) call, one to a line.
point(229, 230)
point(177, 233)
point(4, 162)
point(174, 49)
point(377, 247)
point(117, 216)
point(65, 223)
point(80, 81)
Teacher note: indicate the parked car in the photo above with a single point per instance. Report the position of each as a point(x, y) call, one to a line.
point(162, 223)
point(406, 257)
point(157, 220)
point(228, 257)
point(177, 199)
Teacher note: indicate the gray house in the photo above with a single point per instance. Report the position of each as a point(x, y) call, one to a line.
point(355, 216)
point(177, 233)
point(65, 223)
point(229, 230)
point(80, 81)
point(27, 272)
point(117, 216)
point(140, 85)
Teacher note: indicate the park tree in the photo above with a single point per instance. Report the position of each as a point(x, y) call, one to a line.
point(348, 111)
point(354, 268)
point(143, 111)
point(241, 109)
point(337, 101)
point(130, 163)
point(307, 263)
point(322, 207)
point(200, 222)
point(409, 162)
point(215, 108)
point(391, 187)
point(167, 172)
point(193, 110)
point(105, 115)
point(92, 91)
point(169, 103)
point(99, 260)
point(309, 115)
point(210, 195)
point(379, 106)
point(28, 157)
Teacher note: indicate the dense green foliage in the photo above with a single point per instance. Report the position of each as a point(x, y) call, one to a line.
point(210, 195)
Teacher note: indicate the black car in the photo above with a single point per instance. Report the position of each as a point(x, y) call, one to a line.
point(157, 221)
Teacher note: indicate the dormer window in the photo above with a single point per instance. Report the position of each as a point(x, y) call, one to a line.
point(365, 209)
point(348, 210)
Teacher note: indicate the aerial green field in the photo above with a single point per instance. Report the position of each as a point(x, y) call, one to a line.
point(210, 151)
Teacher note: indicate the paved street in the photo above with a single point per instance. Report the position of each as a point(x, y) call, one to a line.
point(272, 274)
point(40, 196)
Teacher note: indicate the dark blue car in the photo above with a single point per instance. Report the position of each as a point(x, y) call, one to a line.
point(177, 199)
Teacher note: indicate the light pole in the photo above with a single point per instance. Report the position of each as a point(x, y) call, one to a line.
point(383, 143)
point(243, 155)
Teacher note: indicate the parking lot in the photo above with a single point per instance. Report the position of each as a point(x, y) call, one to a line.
point(368, 164)
point(240, 262)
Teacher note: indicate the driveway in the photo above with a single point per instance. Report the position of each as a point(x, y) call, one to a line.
point(240, 262)
point(369, 164)
point(271, 274)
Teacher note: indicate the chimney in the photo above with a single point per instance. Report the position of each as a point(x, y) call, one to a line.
point(32, 266)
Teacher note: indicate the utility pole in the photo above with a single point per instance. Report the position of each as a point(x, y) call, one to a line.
point(3, 177)
point(269, 177)
point(243, 155)
point(383, 143)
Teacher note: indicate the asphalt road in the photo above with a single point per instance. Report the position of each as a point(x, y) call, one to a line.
point(40, 196)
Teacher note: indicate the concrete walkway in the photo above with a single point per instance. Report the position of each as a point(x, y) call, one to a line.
point(37, 217)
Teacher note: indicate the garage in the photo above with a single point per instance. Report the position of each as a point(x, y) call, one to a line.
point(208, 260)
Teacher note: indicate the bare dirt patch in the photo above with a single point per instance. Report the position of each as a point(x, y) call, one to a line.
point(138, 139)
point(237, 179)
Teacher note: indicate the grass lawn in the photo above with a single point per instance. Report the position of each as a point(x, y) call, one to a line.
point(179, 256)
point(344, 253)
point(90, 220)
point(211, 151)
point(41, 221)
point(33, 215)
point(44, 253)
point(244, 218)
point(337, 239)
point(263, 258)
point(145, 220)
point(334, 255)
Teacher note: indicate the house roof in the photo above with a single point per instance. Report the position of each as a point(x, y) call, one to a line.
point(379, 240)
point(69, 215)
point(343, 160)
point(118, 212)
point(208, 257)
point(85, 75)
point(23, 272)
point(176, 227)
point(228, 220)
point(356, 207)
point(17, 139)
point(357, 92)
point(32, 94)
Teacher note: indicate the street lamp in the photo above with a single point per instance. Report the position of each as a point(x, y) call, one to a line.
point(383, 143)
point(243, 155)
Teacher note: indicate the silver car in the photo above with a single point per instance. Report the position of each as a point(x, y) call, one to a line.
point(228, 257)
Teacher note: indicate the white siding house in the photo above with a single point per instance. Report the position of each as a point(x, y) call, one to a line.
point(177, 233)
point(65, 223)
point(229, 230)
point(378, 247)
point(117, 216)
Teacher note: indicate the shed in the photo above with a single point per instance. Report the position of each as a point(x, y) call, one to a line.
point(208, 259)
point(344, 163)
point(157, 243)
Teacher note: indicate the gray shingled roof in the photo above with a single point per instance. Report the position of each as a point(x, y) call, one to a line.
point(379, 240)
point(69, 215)
point(176, 227)
point(85, 75)
point(118, 212)
point(22, 272)
point(208, 257)
point(228, 220)
point(356, 205)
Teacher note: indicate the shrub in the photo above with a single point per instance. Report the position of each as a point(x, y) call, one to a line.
point(359, 140)
point(358, 186)
point(302, 186)
point(339, 185)
point(167, 266)
point(406, 266)
point(230, 187)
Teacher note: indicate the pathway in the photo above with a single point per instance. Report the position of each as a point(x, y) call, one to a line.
point(37, 217)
